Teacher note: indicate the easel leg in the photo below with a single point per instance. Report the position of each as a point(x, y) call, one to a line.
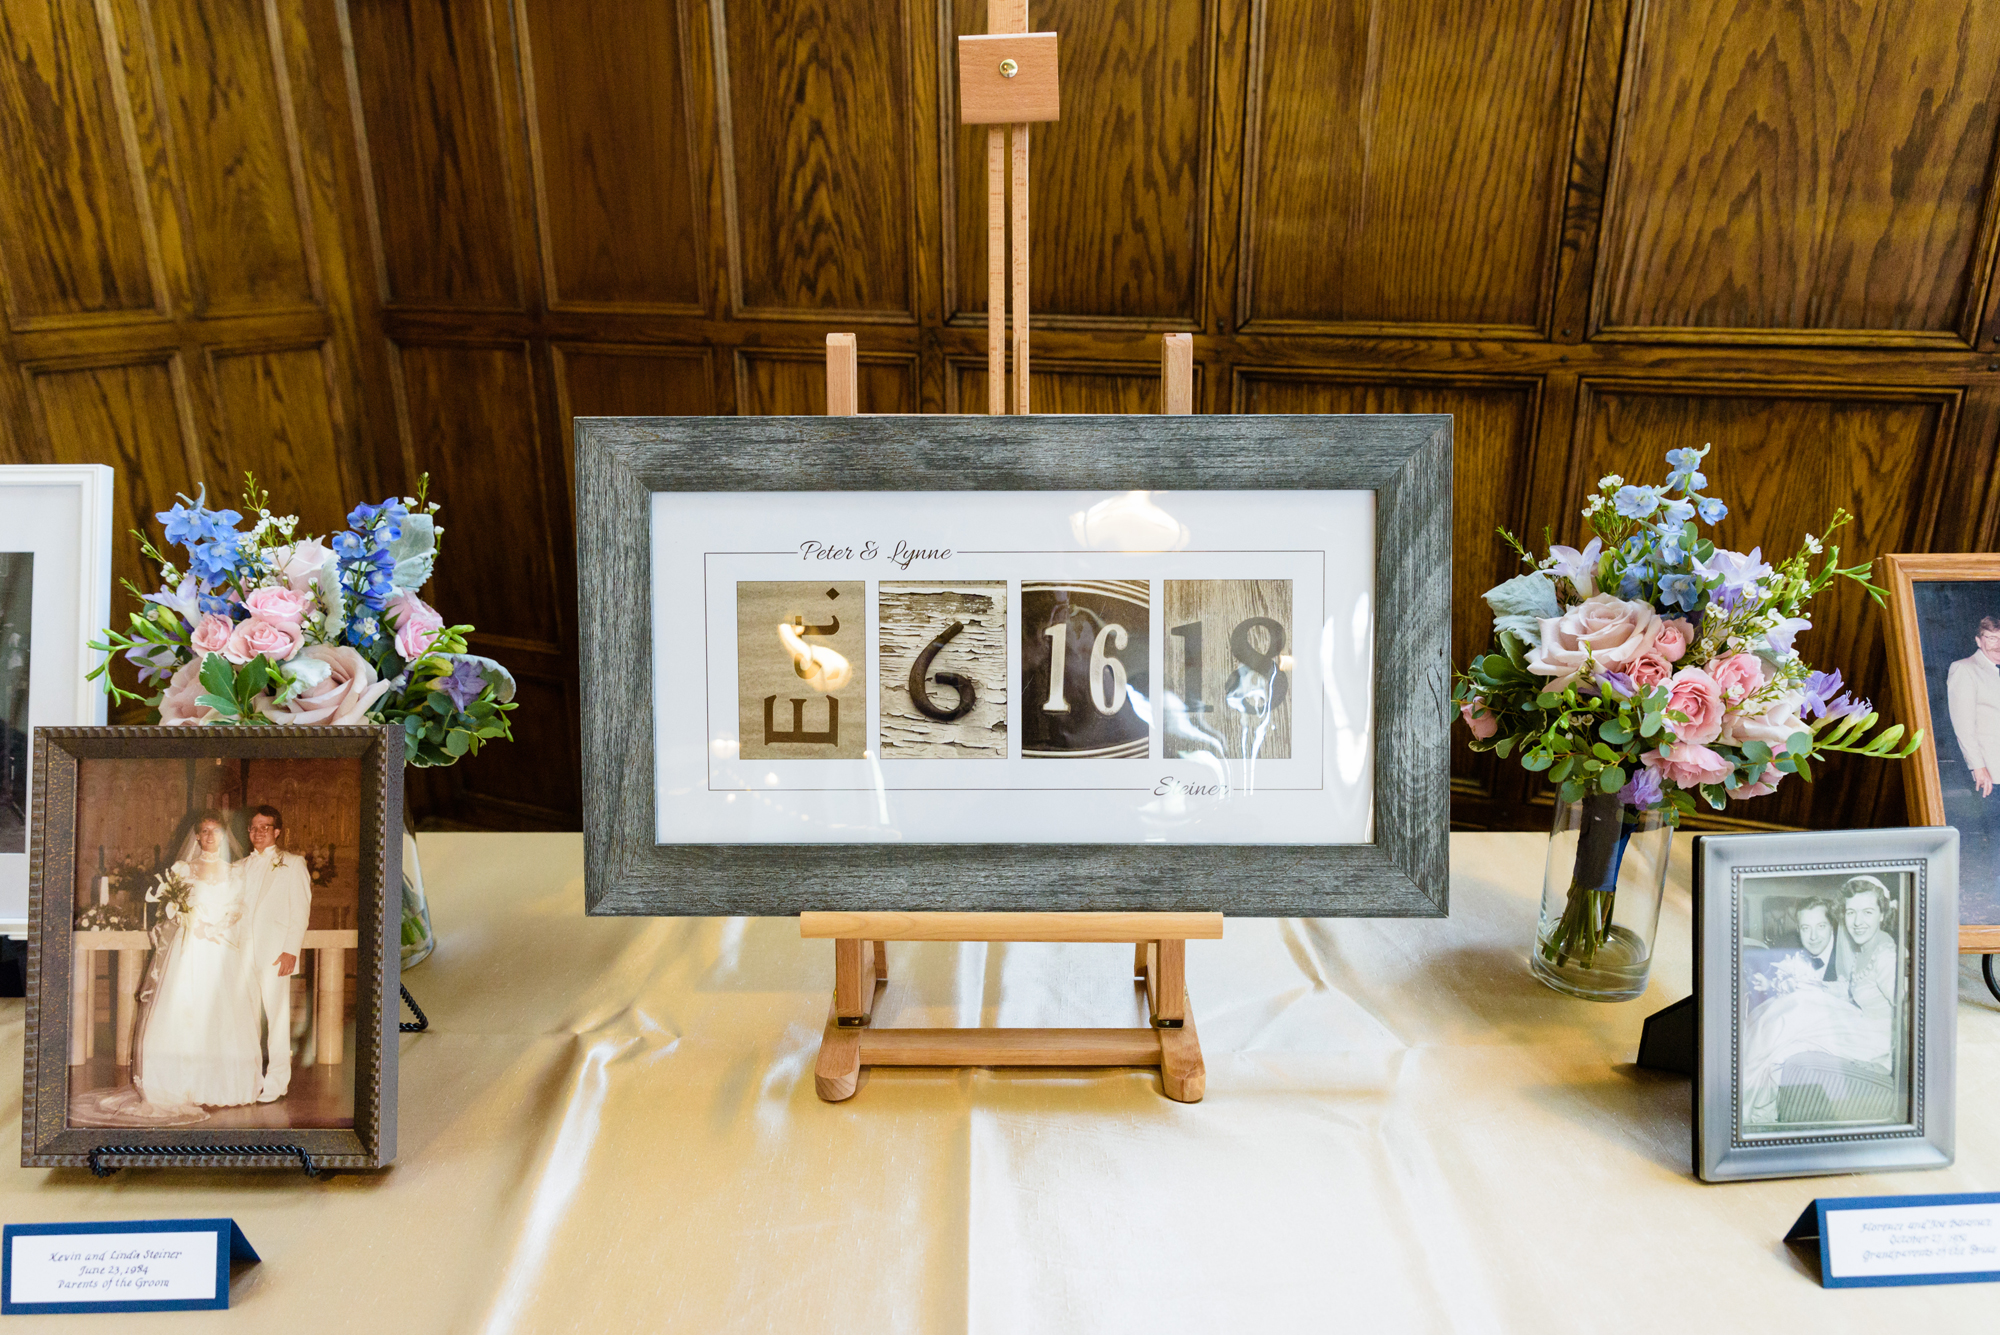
point(838, 1070)
point(1182, 1075)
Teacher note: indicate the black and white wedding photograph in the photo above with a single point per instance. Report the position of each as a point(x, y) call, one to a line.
point(17, 587)
point(1824, 1027)
point(214, 943)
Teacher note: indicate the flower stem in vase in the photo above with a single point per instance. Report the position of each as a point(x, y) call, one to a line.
point(1593, 886)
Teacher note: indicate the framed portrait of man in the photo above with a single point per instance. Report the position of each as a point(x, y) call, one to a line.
point(1944, 662)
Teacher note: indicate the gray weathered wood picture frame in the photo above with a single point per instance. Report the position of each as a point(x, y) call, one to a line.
point(1405, 460)
point(47, 1139)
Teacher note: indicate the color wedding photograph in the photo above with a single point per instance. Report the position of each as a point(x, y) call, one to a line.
point(215, 943)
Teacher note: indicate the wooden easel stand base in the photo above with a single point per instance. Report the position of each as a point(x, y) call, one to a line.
point(861, 972)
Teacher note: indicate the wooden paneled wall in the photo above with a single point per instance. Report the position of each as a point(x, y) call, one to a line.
point(346, 241)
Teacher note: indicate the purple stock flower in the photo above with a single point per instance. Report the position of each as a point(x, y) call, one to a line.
point(1618, 683)
point(1643, 790)
point(464, 684)
point(1821, 688)
point(1735, 570)
point(1780, 636)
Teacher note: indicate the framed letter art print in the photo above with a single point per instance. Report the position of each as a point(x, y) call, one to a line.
point(982, 663)
point(1944, 673)
point(212, 959)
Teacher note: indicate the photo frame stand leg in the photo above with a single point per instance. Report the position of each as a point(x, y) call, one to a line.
point(860, 971)
point(1667, 1042)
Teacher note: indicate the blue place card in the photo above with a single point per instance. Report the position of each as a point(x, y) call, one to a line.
point(146, 1265)
point(1866, 1241)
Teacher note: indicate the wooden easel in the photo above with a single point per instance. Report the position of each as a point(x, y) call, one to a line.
point(1007, 78)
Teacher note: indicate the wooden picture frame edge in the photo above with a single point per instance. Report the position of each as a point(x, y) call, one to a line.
point(1923, 797)
point(46, 1139)
point(1405, 459)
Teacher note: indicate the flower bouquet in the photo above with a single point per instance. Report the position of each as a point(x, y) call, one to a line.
point(262, 626)
point(1652, 671)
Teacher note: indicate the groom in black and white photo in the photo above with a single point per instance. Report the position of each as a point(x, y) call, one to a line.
point(277, 893)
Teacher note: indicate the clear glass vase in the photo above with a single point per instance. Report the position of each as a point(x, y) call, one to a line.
point(418, 939)
point(1601, 892)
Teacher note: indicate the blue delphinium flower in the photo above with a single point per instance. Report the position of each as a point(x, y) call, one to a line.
point(1668, 547)
point(1677, 513)
point(1680, 590)
point(1636, 502)
point(1711, 509)
point(1632, 583)
point(1685, 475)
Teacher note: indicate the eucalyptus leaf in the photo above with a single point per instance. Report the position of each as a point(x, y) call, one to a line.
point(1611, 780)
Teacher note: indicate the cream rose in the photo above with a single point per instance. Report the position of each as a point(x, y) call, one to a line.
point(1603, 631)
point(177, 706)
point(1772, 725)
point(303, 563)
point(343, 696)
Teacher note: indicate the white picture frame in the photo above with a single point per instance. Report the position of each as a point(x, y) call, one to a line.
point(61, 514)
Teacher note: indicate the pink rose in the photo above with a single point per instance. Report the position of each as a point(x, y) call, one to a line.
point(1479, 718)
point(275, 640)
point(417, 624)
point(211, 636)
point(1687, 764)
point(1650, 669)
point(303, 563)
point(1601, 630)
point(348, 692)
point(177, 706)
point(1695, 695)
point(1673, 640)
point(1767, 782)
point(1738, 675)
point(282, 607)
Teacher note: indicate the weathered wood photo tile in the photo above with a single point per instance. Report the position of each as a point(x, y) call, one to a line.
point(802, 669)
point(944, 670)
point(1084, 692)
point(1228, 668)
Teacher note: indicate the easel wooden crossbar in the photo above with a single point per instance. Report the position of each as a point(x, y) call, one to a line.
point(861, 970)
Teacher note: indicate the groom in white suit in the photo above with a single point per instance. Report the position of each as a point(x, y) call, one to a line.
point(277, 888)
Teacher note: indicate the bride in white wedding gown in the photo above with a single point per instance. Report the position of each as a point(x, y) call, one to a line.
point(199, 1044)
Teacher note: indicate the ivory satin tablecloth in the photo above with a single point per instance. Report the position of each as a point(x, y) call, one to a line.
point(612, 1127)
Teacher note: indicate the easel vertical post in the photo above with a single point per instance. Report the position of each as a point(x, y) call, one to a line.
point(1021, 267)
point(996, 270)
point(843, 376)
point(1177, 374)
